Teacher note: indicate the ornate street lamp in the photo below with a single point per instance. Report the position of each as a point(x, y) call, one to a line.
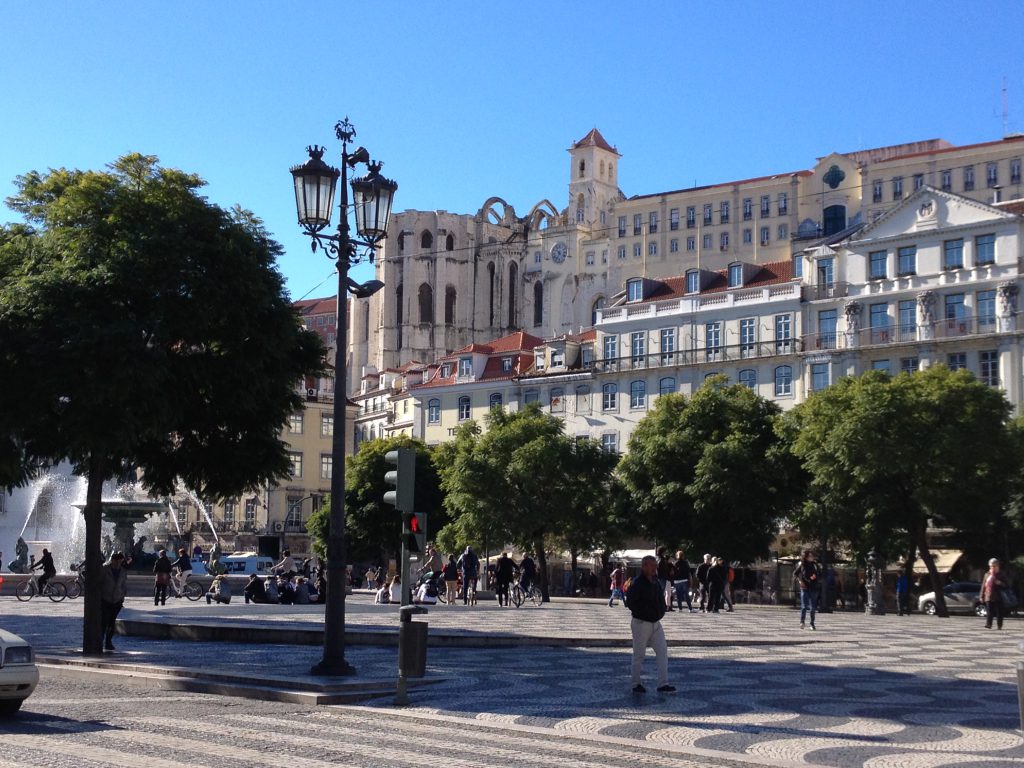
point(315, 183)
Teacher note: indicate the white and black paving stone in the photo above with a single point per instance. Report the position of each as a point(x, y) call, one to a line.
point(869, 691)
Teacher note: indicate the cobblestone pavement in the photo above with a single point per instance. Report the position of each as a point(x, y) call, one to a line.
point(867, 691)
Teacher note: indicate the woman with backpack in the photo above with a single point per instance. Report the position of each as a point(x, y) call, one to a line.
point(992, 594)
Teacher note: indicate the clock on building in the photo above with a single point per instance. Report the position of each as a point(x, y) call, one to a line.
point(559, 252)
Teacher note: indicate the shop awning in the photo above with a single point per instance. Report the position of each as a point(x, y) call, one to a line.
point(945, 561)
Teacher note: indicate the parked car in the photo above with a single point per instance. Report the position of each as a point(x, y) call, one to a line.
point(962, 597)
point(18, 672)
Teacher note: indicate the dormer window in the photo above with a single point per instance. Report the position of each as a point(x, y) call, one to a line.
point(692, 281)
point(506, 365)
point(635, 290)
point(735, 275)
point(465, 367)
point(557, 358)
point(446, 371)
point(538, 360)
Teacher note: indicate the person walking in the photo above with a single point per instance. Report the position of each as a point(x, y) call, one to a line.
point(114, 587)
point(161, 577)
point(666, 572)
point(808, 576)
point(992, 594)
point(646, 602)
point(504, 570)
point(702, 582)
point(717, 575)
point(903, 594)
point(451, 580)
point(616, 580)
point(682, 582)
point(469, 567)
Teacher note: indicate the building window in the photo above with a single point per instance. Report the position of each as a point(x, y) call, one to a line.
point(446, 370)
point(638, 223)
point(610, 442)
point(611, 347)
point(909, 364)
point(506, 365)
point(250, 512)
point(748, 337)
point(906, 260)
point(691, 243)
point(638, 348)
point(652, 222)
point(783, 334)
point(897, 188)
point(557, 400)
point(230, 507)
point(668, 346)
point(557, 358)
point(673, 245)
point(707, 213)
point(583, 399)
point(783, 204)
point(878, 315)
point(434, 412)
point(326, 466)
point(609, 397)
point(295, 421)
point(723, 241)
point(712, 340)
point(622, 252)
point(956, 361)
point(748, 209)
point(946, 180)
point(918, 181)
point(426, 299)
point(538, 304)
point(748, 236)
point(988, 367)
point(953, 254)
point(637, 251)
point(876, 191)
point(986, 311)
point(766, 206)
point(827, 329)
point(984, 250)
point(707, 242)
point(465, 367)
point(293, 518)
point(784, 381)
point(692, 281)
point(326, 425)
point(635, 290)
point(819, 376)
point(881, 365)
point(673, 219)
point(295, 458)
point(1015, 171)
point(992, 175)
point(783, 231)
point(907, 318)
point(954, 307)
point(652, 248)
point(798, 266)
point(538, 257)
point(591, 258)
point(464, 408)
point(531, 396)
point(638, 394)
point(539, 360)
point(969, 178)
point(766, 235)
point(604, 255)
point(494, 401)
point(691, 217)
point(723, 212)
point(877, 265)
point(748, 378)
point(622, 226)
point(667, 385)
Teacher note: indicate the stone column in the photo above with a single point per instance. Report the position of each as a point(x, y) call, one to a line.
point(1007, 317)
point(926, 316)
point(1010, 371)
point(853, 310)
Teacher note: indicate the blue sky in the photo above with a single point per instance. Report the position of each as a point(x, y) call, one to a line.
point(464, 100)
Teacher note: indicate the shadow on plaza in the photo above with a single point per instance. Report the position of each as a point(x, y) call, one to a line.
point(27, 723)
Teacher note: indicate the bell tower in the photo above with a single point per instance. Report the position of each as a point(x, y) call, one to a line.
point(593, 178)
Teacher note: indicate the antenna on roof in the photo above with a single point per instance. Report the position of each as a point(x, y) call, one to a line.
point(1006, 109)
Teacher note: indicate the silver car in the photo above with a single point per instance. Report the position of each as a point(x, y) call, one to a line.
point(962, 597)
point(18, 672)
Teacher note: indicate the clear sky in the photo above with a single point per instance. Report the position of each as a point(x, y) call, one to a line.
point(464, 100)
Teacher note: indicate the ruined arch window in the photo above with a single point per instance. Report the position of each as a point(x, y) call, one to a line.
point(579, 207)
point(598, 304)
point(538, 304)
point(449, 305)
point(366, 321)
point(602, 169)
point(426, 303)
point(449, 243)
point(583, 168)
point(490, 306)
point(399, 313)
point(426, 240)
point(513, 281)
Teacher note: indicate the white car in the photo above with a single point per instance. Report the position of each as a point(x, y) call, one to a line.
point(18, 672)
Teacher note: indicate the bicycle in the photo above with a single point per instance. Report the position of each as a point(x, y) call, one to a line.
point(193, 590)
point(54, 590)
point(75, 588)
point(520, 595)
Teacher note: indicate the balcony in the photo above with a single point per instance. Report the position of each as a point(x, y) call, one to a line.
point(942, 329)
point(823, 291)
point(698, 356)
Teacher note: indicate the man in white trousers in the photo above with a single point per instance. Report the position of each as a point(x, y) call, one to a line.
point(646, 601)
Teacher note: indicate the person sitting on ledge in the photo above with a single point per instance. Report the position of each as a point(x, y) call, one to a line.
point(301, 592)
point(285, 592)
point(219, 591)
point(255, 591)
point(270, 588)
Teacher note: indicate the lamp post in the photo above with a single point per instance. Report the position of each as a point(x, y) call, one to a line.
point(315, 184)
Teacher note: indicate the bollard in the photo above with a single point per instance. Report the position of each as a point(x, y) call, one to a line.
point(412, 649)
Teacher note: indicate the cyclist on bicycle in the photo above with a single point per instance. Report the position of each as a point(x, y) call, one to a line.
point(49, 570)
point(527, 572)
point(182, 571)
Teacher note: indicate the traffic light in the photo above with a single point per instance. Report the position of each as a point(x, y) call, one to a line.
point(414, 532)
point(402, 479)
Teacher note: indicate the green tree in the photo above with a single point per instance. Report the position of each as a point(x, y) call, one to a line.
point(143, 327)
point(372, 528)
point(710, 471)
point(887, 455)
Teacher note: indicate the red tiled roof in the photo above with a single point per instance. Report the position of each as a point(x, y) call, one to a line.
point(1012, 206)
point(595, 139)
point(771, 273)
point(724, 184)
point(520, 344)
point(327, 305)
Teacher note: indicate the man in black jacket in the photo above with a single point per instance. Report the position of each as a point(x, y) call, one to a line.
point(646, 601)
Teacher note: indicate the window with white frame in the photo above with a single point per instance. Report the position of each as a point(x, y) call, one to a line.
point(918, 181)
point(673, 219)
point(897, 188)
point(783, 334)
point(622, 226)
point(465, 366)
point(591, 257)
point(906, 260)
point(735, 275)
point(784, 381)
point(691, 243)
point(707, 241)
point(968, 178)
point(326, 466)
point(691, 217)
point(538, 257)
point(748, 337)
point(464, 408)
point(638, 348)
point(985, 306)
point(326, 425)
point(611, 346)
point(766, 206)
point(667, 385)
point(652, 248)
point(984, 250)
point(876, 191)
point(877, 261)
point(956, 361)
point(295, 422)
point(748, 236)
point(506, 365)
point(946, 178)
point(667, 345)
point(819, 376)
point(250, 512)
point(539, 359)
point(783, 231)
point(953, 254)
point(609, 397)
point(557, 358)
point(723, 212)
point(637, 250)
point(495, 400)
point(992, 175)
point(707, 213)
point(635, 289)
point(673, 245)
point(1015, 171)
point(748, 378)
point(723, 241)
point(610, 442)
point(783, 204)
point(622, 252)
point(230, 509)
point(638, 394)
point(748, 208)
point(652, 222)
point(434, 411)
point(909, 364)
point(638, 223)
point(766, 235)
point(692, 281)
point(295, 459)
point(712, 340)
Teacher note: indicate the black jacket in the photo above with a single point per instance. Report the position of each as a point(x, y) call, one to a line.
point(808, 574)
point(645, 599)
point(702, 573)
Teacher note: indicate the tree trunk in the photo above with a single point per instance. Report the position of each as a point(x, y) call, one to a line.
point(542, 567)
point(92, 625)
point(575, 558)
point(929, 561)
